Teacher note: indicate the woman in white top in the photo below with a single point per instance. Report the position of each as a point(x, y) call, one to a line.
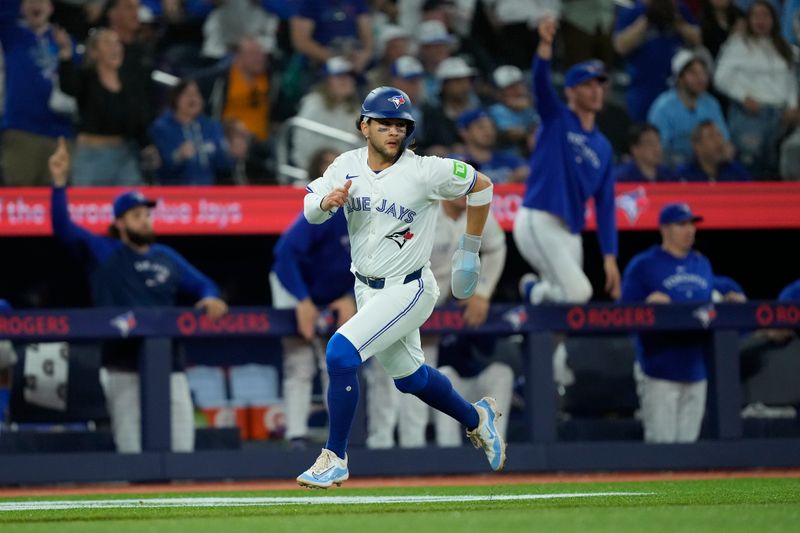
point(756, 70)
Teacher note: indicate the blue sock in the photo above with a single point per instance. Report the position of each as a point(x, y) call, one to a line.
point(342, 402)
point(433, 388)
point(343, 362)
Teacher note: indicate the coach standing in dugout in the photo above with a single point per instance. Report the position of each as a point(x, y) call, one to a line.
point(671, 374)
point(128, 269)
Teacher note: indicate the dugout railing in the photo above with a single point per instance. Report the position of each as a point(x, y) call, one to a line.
point(539, 453)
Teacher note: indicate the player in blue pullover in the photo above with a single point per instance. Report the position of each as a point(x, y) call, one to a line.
point(572, 161)
point(129, 270)
point(311, 272)
point(671, 371)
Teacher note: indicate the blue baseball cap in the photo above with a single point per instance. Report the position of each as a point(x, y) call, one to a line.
point(677, 212)
point(592, 69)
point(128, 200)
point(468, 117)
point(4, 305)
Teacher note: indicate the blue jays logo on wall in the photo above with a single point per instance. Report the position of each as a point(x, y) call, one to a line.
point(124, 323)
point(632, 203)
point(397, 100)
point(705, 314)
point(516, 316)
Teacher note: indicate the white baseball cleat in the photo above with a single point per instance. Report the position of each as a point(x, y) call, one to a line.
point(486, 436)
point(327, 470)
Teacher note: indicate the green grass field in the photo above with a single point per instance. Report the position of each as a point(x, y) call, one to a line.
point(746, 504)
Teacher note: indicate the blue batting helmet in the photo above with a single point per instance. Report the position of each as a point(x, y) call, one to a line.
point(389, 102)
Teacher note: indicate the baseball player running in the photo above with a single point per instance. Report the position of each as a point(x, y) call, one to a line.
point(391, 197)
point(387, 407)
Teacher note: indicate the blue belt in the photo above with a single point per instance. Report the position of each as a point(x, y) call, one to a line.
point(378, 283)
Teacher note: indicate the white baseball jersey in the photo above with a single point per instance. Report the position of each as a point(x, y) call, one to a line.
point(391, 214)
point(391, 217)
point(493, 253)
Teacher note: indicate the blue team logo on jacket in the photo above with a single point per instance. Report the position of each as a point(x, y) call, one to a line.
point(397, 100)
point(124, 323)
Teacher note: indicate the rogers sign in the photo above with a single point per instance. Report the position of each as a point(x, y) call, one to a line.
point(191, 324)
point(778, 315)
point(34, 325)
point(614, 317)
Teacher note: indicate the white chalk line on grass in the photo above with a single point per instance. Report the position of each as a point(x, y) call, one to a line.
point(150, 503)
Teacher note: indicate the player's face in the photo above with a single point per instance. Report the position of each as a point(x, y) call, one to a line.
point(385, 136)
point(679, 235)
point(586, 96)
point(137, 225)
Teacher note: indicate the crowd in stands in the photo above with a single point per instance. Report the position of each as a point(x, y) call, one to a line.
point(198, 92)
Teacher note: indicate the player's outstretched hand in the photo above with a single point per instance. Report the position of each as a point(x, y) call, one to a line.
point(547, 29)
point(466, 267)
point(214, 307)
point(59, 164)
point(337, 197)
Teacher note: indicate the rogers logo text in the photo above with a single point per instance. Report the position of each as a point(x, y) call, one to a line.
point(444, 319)
point(777, 315)
point(611, 317)
point(34, 325)
point(191, 324)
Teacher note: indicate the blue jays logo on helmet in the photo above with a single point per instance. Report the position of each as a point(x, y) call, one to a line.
point(397, 100)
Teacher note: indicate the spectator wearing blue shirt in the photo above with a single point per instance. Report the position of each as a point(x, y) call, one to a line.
point(513, 114)
point(713, 158)
point(671, 371)
point(647, 34)
point(677, 111)
point(128, 269)
point(311, 272)
point(36, 113)
point(192, 145)
point(479, 135)
point(646, 156)
point(322, 29)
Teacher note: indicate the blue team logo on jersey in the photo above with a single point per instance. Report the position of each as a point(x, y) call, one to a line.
point(124, 323)
point(400, 238)
point(397, 100)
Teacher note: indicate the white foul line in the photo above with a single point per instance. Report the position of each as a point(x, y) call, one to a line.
point(150, 503)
